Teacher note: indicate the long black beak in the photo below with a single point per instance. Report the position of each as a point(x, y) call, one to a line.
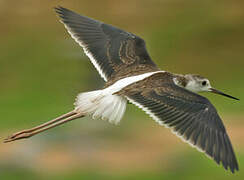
point(221, 93)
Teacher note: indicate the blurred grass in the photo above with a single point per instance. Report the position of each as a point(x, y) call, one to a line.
point(188, 167)
point(42, 70)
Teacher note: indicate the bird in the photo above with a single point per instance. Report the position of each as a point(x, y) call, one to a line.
point(131, 76)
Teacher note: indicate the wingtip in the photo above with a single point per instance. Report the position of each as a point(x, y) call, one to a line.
point(57, 8)
point(234, 167)
point(60, 10)
point(229, 160)
point(234, 170)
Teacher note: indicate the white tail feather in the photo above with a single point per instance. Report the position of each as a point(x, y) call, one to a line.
point(100, 104)
point(103, 103)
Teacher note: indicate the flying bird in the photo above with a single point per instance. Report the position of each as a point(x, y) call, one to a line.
point(131, 76)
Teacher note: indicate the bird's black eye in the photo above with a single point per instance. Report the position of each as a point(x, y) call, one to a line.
point(204, 83)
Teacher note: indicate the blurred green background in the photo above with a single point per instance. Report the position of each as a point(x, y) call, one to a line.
point(42, 70)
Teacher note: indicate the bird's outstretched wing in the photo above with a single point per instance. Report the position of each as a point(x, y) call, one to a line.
point(191, 116)
point(110, 49)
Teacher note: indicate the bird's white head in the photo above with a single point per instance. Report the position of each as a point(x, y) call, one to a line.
point(197, 83)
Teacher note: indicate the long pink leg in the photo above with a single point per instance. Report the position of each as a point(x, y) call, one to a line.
point(43, 127)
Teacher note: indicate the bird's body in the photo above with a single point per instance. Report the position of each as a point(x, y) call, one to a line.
point(110, 102)
point(170, 99)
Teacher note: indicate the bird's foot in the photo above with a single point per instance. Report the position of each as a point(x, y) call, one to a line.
point(19, 135)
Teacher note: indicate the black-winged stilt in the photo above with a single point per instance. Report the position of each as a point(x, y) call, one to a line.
point(170, 99)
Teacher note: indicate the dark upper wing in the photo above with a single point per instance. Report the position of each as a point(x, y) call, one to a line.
point(107, 47)
point(191, 117)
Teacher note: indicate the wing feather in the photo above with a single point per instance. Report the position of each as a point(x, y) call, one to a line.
point(110, 49)
point(190, 116)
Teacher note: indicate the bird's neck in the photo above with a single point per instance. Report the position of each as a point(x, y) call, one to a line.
point(180, 80)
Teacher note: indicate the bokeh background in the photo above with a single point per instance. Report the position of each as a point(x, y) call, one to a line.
point(42, 70)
